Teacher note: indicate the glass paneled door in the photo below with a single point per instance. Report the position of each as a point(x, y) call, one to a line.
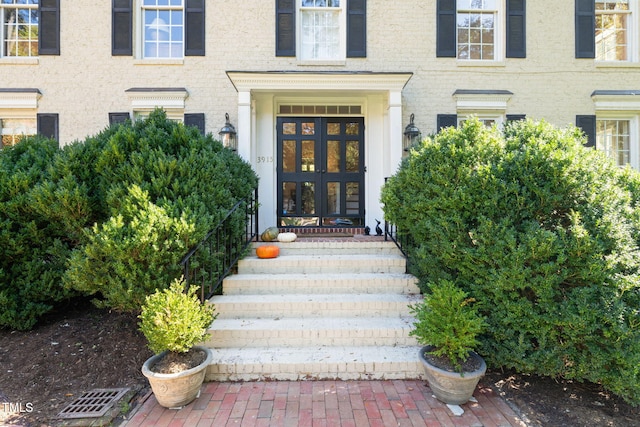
point(320, 172)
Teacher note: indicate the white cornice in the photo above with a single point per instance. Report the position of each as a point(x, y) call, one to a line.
point(616, 100)
point(19, 98)
point(482, 100)
point(150, 98)
point(295, 81)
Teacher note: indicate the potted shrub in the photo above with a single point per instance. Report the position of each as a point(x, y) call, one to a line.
point(447, 324)
point(173, 322)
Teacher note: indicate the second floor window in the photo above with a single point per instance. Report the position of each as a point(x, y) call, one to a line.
point(163, 29)
point(19, 28)
point(476, 23)
point(321, 30)
point(612, 30)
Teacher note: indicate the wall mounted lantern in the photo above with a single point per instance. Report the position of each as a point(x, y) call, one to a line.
point(228, 135)
point(412, 134)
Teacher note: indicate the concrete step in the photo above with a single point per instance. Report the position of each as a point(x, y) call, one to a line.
point(314, 332)
point(298, 283)
point(323, 264)
point(304, 247)
point(312, 305)
point(315, 363)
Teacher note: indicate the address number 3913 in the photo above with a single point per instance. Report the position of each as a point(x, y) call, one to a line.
point(265, 159)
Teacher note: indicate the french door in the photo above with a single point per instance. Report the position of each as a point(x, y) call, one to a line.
point(320, 172)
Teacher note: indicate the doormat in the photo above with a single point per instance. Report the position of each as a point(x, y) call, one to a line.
point(316, 235)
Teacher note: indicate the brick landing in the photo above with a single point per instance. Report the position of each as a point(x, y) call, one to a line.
point(325, 403)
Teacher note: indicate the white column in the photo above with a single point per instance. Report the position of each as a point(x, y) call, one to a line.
point(244, 125)
point(395, 132)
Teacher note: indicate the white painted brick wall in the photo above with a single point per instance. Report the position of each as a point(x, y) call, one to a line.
point(85, 82)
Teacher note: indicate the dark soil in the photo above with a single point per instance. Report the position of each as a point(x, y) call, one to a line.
point(80, 348)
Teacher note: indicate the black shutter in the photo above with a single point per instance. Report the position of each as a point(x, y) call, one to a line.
point(447, 120)
point(446, 29)
point(49, 27)
point(585, 29)
point(285, 28)
point(588, 126)
point(516, 29)
point(121, 28)
point(515, 117)
point(48, 125)
point(115, 118)
point(356, 29)
point(195, 119)
point(194, 28)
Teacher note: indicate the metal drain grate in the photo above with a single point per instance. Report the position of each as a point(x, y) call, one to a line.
point(93, 404)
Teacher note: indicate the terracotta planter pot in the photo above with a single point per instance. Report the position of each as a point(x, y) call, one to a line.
point(180, 389)
point(451, 387)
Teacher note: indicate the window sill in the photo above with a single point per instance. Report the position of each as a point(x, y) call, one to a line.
point(19, 61)
point(321, 62)
point(480, 63)
point(158, 62)
point(617, 64)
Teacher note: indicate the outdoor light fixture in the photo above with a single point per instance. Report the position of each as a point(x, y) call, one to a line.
point(412, 134)
point(228, 135)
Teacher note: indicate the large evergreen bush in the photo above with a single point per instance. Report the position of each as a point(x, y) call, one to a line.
point(543, 233)
point(110, 216)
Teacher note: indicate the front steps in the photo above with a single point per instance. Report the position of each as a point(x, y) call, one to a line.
point(321, 310)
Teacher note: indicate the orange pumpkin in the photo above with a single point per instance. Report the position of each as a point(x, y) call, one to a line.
point(267, 251)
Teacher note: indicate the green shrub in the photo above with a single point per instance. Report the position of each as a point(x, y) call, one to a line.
point(110, 216)
point(175, 320)
point(164, 186)
point(543, 233)
point(33, 248)
point(447, 320)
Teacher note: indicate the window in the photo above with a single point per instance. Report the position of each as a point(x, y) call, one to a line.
point(19, 28)
point(165, 29)
point(612, 36)
point(321, 30)
point(481, 30)
point(614, 138)
point(477, 32)
point(14, 129)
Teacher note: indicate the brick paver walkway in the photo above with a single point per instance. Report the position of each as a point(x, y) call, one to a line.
point(325, 403)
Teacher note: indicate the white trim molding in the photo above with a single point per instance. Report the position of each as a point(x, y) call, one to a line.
point(475, 100)
point(273, 81)
point(19, 98)
point(143, 99)
point(616, 100)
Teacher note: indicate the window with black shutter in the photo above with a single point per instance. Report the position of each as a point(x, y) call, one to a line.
point(195, 119)
point(585, 29)
point(356, 29)
point(446, 29)
point(194, 28)
point(515, 117)
point(516, 29)
point(49, 27)
point(115, 118)
point(588, 126)
point(48, 125)
point(447, 120)
point(122, 27)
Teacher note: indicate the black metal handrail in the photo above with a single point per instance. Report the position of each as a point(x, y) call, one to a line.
point(211, 260)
